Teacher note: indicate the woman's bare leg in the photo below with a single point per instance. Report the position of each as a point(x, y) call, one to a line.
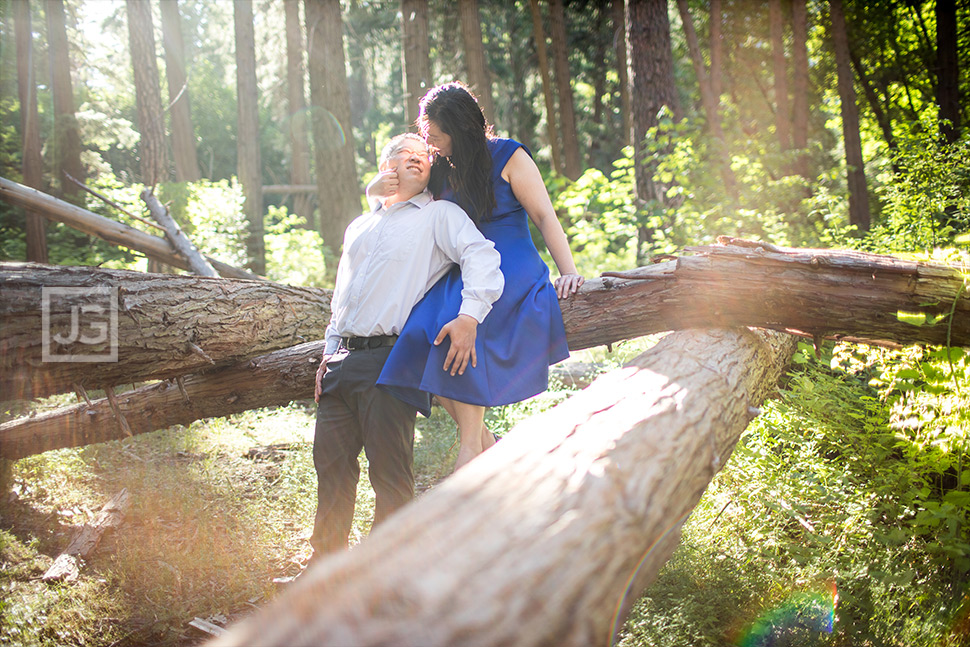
point(474, 438)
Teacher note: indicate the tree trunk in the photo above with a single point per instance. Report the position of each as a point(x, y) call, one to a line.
point(800, 85)
point(417, 64)
point(478, 76)
point(709, 101)
point(552, 131)
point(622, 69)
point(360, 62)
point(561, 525)
point(876, 104)
point(167, 325)
point(338, 190)
point(572, 167)
point(717, 50)
point(815, 293)
point(296, 100)
point(948, 70)
point(33, 163)
point(855, 167)
point(652, 69)
point(183, 136)
point(66, 139)
point(250, 167)
point(148, 96)
point(110, 230)
point(777, 26)
point(523, 119)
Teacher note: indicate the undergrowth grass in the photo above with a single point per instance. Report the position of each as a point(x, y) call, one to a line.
point(823, 497)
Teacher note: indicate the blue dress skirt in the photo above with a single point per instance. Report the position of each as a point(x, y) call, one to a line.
point(520, 338)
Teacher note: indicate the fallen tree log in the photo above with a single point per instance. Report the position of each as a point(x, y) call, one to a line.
point(67, 565)
point(115, 233)
point(605, 311)
point(197, 263)
point(274, 379)
point(548, 537)
point(167, 325)
point(821, 293)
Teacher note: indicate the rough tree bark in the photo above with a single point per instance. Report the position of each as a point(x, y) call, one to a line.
point(709, 100)
point(603, 483)
point(417, 63)
point(777, 26)
point(250, 168)
point(816, 293)
point(148, 96)
point(539, 35)
point(33, 164)
point(800, 85)
point(338, 190)
point(652, 83)
point(855, 167)
point(66, 138)
point(567, 112)
point(948, 69)
point(471, 37)
point(114, 232)
point(622, 71)
point(183, 136)
point(167, 325)
point(296, 101)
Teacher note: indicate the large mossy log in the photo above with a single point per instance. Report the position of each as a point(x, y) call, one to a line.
point(167, 325)
point(548, 537)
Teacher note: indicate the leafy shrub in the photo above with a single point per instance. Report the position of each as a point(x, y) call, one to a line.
point(827, 509)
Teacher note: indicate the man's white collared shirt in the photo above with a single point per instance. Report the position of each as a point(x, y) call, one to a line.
point(392, 256)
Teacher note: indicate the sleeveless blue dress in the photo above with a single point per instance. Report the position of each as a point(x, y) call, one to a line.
point(520, 338)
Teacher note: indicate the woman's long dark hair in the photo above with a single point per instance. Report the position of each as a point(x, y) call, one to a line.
point(468, 171)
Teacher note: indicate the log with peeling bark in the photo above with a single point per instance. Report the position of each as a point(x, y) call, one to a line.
point(67, 565)
point(547, 538)
point(197, 263)
point(167, 325)
point(820, 293)
point(113, 232)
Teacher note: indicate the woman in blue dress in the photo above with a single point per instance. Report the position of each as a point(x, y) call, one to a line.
point(498, 184)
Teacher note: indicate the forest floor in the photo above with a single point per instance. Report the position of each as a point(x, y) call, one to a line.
point(218, 521)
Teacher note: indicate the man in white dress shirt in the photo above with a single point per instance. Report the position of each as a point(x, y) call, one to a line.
point(391, 257)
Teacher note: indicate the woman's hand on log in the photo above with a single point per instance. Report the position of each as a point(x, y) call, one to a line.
point(568, 284)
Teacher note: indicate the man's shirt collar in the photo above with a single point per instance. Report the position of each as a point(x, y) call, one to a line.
point(420, 200)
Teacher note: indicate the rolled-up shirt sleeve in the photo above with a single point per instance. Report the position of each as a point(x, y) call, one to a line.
point(333, 340)
point(458, 237)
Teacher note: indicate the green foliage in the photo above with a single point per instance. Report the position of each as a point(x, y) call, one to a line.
point(928, 198)
point(295, 255)
point(830, 525)
point(600, 218)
